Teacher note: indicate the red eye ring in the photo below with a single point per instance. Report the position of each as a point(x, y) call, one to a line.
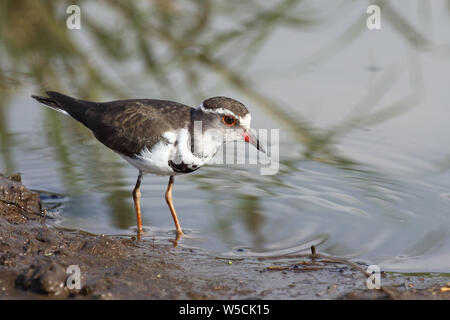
point(229, 120)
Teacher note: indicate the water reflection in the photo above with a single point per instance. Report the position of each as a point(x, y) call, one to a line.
point(344, 99)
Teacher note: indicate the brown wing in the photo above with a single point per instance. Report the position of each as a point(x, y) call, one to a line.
point(125, 126)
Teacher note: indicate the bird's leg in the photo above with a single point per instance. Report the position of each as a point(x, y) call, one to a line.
point(137, 203)
point(172, 209)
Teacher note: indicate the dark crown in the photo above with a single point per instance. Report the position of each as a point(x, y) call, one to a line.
point(226, 103)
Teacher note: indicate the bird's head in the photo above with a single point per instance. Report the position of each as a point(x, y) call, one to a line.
point(229, 119)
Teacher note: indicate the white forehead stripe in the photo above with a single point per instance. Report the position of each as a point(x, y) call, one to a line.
point(245, 121)
point(217, 110)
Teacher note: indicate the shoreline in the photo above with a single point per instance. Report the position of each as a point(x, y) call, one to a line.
point(35, 257)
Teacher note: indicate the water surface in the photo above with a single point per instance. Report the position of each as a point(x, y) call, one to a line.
point(363, 118)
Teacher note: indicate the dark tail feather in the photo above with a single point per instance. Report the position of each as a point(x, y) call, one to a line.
point(49, 102)
point(65, 104)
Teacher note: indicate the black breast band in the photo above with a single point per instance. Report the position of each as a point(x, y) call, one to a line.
point(182, 167)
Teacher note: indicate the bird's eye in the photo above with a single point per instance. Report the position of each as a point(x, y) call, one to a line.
point(229, 120)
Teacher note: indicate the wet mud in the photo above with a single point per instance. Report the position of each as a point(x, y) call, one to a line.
point(35, 260)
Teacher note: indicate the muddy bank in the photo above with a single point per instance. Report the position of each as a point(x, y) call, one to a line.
point(34, 260)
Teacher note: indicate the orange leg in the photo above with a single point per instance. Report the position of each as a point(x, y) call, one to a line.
point(172, 209)
point(137, 204)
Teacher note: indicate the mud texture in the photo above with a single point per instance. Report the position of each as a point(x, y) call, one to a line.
point(35, 256)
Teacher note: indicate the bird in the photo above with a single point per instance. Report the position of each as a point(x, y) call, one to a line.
point(160, 137)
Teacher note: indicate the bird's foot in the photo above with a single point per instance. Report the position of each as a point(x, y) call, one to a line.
point(139, 234)
point(178, 236)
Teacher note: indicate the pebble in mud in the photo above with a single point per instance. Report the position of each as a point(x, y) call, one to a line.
point(48, 278)
point(8, 259)
point(14, 196)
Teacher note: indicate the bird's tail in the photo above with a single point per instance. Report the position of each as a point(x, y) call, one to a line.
point(51, 103)
point(67, 105)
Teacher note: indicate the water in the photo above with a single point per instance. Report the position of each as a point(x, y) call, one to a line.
point(363, 118)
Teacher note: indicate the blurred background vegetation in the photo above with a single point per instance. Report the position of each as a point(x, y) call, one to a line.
point(171, 44)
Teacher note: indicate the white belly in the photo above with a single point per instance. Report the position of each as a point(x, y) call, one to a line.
point(156, 160)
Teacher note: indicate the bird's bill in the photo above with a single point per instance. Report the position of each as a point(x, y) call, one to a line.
point(251, 138)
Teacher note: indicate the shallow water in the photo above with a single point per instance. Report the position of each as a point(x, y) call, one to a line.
point(377, 189)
